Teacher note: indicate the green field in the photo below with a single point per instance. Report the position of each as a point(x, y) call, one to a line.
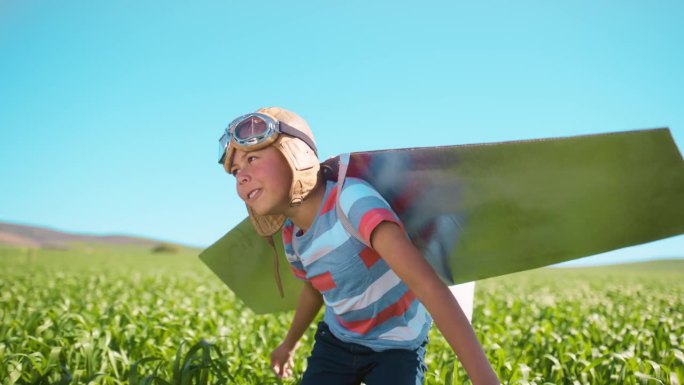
point(125, 315)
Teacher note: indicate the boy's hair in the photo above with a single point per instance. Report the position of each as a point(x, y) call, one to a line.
point(302, 160)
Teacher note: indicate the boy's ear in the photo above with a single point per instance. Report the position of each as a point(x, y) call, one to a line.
point(304, 163)
point(301, 154)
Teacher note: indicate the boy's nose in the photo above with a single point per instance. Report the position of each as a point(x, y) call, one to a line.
point(242, 176)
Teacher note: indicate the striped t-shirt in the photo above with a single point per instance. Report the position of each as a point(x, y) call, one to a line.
point(365, 301)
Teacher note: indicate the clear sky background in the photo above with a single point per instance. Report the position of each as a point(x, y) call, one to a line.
point(110, 111)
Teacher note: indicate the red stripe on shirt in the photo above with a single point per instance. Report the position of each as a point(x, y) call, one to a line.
point(371, 219)
point(330, 202)
point(323, 282)
point(369, 257)
point(396, 309)
point(287, 234)
point(298, 273)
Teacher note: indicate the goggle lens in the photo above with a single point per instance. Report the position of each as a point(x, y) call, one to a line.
point(250, 128)
point(223, 146)
point(253, 129)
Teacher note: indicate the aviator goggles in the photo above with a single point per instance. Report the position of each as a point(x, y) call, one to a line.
point(255, 131)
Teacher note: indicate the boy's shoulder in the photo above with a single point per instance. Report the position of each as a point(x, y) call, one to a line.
point(354, 183)
point(355, 188)
point(359, 197)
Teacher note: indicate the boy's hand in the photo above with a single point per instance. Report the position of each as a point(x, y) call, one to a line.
point(281, 360)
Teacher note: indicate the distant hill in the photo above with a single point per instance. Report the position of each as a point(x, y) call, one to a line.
point(41, 237)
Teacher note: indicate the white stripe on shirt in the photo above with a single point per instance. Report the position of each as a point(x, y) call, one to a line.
point(375, 291)
point(324, 243)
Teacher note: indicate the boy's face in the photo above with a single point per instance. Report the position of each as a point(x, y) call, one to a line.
point(263, 180)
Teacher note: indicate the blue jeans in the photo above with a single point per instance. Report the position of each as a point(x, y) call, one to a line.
point(333, 362)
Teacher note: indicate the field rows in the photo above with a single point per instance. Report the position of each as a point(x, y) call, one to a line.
point(124, 316)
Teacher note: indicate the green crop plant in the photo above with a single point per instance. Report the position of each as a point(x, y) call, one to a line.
point(97, 315)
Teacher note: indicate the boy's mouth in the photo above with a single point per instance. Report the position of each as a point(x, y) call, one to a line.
point(253, 194)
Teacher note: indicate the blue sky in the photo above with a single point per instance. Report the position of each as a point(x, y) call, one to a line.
point(110, 111)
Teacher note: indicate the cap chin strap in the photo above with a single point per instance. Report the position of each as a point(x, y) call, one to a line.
point(276, 266)
point(266, 225)
point(297, 194)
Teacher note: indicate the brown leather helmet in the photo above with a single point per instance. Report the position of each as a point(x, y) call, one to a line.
point(300, 156)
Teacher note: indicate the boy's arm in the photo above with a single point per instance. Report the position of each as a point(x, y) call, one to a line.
point(390, 241)
point(310, 301)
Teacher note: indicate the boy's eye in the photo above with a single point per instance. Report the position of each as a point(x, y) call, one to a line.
point(250, 160)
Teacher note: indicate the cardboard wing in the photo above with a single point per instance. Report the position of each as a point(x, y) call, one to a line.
point(483, 210)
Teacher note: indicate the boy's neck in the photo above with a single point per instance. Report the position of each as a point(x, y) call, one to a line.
point(304, 215)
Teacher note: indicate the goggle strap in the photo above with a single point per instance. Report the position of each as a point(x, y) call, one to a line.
point(283, 128)
point(276, 265)
point(289, 130)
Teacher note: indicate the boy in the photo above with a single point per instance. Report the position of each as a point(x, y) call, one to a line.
point(377, 290)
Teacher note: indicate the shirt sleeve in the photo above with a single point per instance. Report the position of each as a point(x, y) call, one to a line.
point(365, 207)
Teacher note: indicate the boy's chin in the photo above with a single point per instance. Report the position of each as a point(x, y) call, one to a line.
point(266, 208)
point(261, 211)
